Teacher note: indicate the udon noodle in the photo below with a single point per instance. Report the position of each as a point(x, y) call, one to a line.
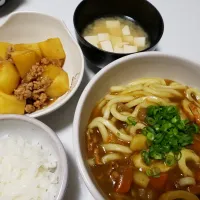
point(126, 130)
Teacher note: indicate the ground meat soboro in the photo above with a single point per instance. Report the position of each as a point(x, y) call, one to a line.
point(33, 87)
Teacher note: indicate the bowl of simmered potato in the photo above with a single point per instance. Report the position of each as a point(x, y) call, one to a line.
point(41, 66)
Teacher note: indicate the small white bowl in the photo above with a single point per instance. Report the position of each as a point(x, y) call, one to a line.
point(30, 27)
point(123, 71)
point(33, 130)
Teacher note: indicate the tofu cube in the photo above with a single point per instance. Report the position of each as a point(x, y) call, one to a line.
point(115, 32)
point(139, 41)
point(122, 44)
point(100, 29)
point(112, 24)
point(115, 40)
point(114, 27)
point(103, 37)
point(129, 39)
point(106, 45)
point(130, 49)
point(92, 40)
point(126, 30)
point(118, 49)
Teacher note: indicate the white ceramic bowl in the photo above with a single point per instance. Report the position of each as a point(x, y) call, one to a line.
point(34, 130)
point(122, 71)
point(29, 27)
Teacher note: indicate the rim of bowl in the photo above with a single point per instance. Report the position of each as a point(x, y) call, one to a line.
point(120, 54)
point(55, 138)
point(76, 122)
point(79, 80)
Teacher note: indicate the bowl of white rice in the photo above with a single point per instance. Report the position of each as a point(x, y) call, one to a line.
point(33, 163)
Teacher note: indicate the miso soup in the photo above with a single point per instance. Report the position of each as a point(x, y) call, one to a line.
point(116, 34)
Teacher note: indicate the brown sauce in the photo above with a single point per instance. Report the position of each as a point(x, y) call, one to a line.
point(106, 175)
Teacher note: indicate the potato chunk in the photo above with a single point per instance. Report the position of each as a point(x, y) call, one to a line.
point(9, 77)
point(34, 47)
point(52, 49)
point(139, 142)
point(24, 60)
point(9, 104)
point(141, 179)
point(3, 49)
point(59, 86)
point(51, 71)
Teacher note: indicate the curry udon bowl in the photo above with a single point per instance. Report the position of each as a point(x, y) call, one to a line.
point(141, 11)
point(122, 72)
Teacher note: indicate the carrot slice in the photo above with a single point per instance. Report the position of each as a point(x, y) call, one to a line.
point(125, 180)
point(159, 183)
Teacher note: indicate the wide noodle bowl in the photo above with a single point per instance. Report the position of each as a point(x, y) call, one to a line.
point(143, 141)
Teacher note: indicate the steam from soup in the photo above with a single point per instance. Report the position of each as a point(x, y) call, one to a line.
point(142, 141)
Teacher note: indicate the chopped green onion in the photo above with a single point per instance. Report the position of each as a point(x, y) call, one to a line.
point(150, 110)
point(196, 128)
point(149, 172)
point(150, 121)
point(158, 138)
point(156, 155)
point(174, 120)
point(131, 121)
point(192, 128)
point(154, 172)
point(166, 149)
point(178, 156)
point(150, 136)
point(144, 131)
point(170, 160)
point(157, 127)
point(186, 121)
point(166, 132)
point(150, 129)
point(145, 156)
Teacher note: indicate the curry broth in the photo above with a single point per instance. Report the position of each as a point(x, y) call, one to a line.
point(106, 174)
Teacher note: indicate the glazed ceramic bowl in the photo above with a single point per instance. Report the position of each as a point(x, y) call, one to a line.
point(30, 27)
point(141, 11)
point(35, 131)
point(120, 72)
